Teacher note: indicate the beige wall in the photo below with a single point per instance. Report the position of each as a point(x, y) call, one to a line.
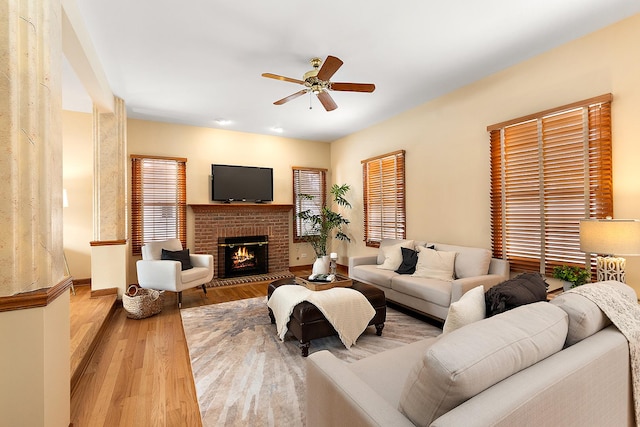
point(204, 146)
point(447, 144)
point(77, 179)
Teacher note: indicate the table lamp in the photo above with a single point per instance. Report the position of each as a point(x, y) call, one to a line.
point(612, 238)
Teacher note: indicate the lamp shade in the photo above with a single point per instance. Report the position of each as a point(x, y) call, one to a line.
point(610, 236)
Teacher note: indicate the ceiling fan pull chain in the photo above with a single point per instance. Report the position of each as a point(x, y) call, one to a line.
point(310, 99)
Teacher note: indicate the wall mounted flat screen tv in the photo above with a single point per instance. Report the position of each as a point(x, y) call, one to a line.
point(231, 183)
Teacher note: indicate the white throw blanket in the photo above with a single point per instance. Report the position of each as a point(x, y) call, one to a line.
point(348, 311)
point(625, 315)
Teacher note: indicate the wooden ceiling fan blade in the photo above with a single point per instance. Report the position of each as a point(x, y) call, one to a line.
point(326, 101)
point(290, 97)
point(353, 87)
point(284, 79)
point(329, 68)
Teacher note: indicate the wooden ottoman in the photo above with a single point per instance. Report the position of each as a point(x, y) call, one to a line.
point(308, 323)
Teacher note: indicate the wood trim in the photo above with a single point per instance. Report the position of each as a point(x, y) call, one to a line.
point(104, 292)
point(298, 268)
point(585, 103)
point(393, 153)
point(230, 206)
point(144, 156)
point(304, 168)
point(340, 269)
point(108, 242)
point(34, 299)
point(82, 282)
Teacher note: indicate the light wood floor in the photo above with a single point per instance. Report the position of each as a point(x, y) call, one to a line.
point(140, 374)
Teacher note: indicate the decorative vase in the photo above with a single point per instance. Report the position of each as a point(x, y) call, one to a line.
point(321, 265)
point(566, 285)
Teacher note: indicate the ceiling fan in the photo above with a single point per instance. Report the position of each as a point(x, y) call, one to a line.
point(318, 82)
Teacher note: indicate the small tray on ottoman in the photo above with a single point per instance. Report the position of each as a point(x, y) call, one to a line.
point(339, 282)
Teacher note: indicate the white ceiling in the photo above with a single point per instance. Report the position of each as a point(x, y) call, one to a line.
point(197, 61)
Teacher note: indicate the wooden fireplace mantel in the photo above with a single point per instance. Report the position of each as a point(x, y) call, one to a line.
point(210, 207)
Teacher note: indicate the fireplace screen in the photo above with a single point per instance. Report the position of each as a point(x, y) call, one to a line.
point(242, 256)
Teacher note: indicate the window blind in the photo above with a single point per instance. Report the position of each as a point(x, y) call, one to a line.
point(549, 171)
point(384, 198)
point(311, 182)
point(158, 200)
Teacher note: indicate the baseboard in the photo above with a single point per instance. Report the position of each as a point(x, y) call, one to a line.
point(341, 269)
point(103, 292)
point(81, 282)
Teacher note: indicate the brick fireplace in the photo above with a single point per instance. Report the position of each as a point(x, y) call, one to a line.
point(215, 221)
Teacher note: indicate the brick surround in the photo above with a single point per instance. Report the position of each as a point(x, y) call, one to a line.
point(233, 220)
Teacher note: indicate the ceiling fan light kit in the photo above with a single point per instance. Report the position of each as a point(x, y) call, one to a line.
point(318, 82)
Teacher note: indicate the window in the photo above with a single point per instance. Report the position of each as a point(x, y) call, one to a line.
point(311, 182)
point(548, 171)
point(384, 198)
point(158, 200)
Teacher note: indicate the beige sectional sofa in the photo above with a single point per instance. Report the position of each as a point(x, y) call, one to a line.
point(431, 296)
point(546, 363)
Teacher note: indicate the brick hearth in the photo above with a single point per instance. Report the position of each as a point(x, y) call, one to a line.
point(230, 220)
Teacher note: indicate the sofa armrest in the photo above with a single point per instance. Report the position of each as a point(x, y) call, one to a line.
point(362, 260)
point(201, 260)
point(460, 286)
point(500, 267)
point(158, 274)
point(332, 385)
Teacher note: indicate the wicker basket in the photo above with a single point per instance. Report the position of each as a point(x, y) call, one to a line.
point(140, 303)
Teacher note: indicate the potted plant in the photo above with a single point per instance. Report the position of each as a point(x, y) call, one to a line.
point(324, 223)
point(572, 275)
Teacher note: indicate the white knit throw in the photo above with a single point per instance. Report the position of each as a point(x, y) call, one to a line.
point(625, 315)
point(348, 311)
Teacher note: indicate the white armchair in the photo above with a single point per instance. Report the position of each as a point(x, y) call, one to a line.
point(167, 275)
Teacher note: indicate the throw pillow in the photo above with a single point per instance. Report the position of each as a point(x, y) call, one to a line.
point(392, 255)
point(435, 264)
point(182, 256)
point(409, 260)
point(525, 288)
point(468, 309)
point(384, 243)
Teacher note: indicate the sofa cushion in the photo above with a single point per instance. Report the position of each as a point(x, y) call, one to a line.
point(384, 374)
point(585, 317)
point(471, 359)
point(468, 309)
point(393, 255)
point(370, 273)
point(522, 289)
point(434, 264)
point(470, 262)
point(409, 261)
point(432, 290)
point(391, 242)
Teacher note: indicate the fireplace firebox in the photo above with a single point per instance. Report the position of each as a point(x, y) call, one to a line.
point(243, 256)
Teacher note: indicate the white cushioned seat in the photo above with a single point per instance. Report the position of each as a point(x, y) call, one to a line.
point(371, 273)
point(434, 290)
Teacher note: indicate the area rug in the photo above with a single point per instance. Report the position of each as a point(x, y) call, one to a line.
point(214, 283)
point(244, 374)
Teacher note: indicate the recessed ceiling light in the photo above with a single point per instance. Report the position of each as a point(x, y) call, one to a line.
point(223, 122)
point(277, 129)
